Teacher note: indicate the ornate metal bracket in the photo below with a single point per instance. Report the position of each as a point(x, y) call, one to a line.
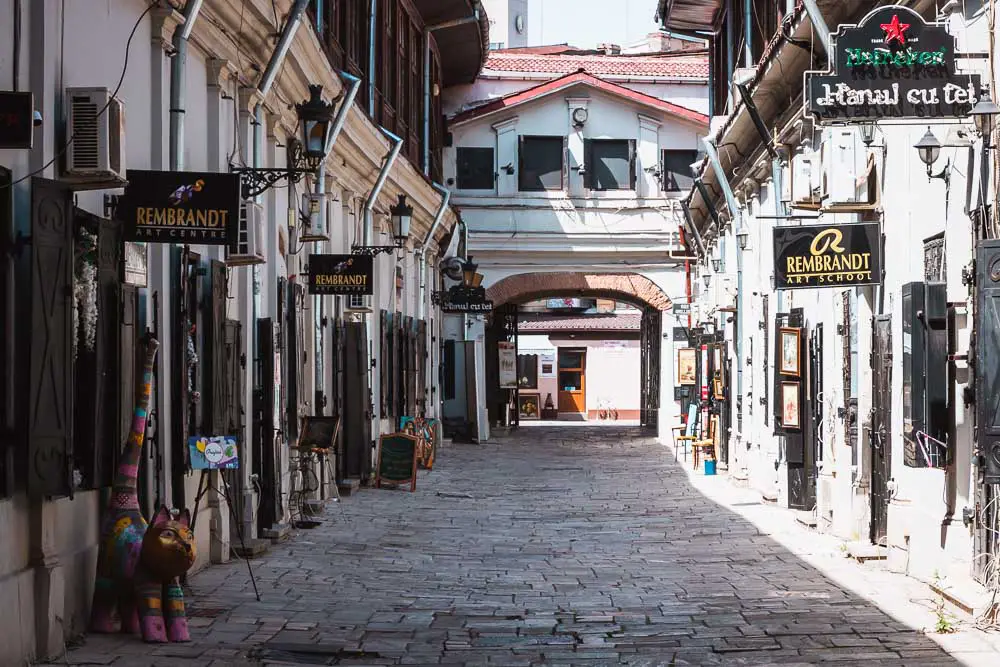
point(373, 250)
point(258, 180)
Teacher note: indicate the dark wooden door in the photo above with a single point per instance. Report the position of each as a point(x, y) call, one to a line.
point(233, 415)
point(49, 411)
point(7, 392)
point(217, 385)
point(987, 393)
point(650, 342)
point(265, 425)
point(357, 404)
point(880, 430)
point(337, 391)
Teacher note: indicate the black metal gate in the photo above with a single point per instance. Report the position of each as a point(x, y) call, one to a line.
point(650, 343)
point(881, 420)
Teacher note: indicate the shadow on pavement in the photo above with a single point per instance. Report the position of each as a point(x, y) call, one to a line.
point(551, 546)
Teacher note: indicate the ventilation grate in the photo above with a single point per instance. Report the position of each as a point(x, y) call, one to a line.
point(84, 133)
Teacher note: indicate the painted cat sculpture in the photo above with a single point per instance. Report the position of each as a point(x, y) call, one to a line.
point(139, 564)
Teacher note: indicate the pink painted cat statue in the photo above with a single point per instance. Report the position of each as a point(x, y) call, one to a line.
point(139, 564)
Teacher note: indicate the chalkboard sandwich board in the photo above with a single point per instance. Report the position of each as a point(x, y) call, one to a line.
point(397, 460)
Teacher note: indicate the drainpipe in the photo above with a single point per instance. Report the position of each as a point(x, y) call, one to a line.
point(422, 252)
point(720, 175)
point(371, 57)
point(748, 31)
point(339, 121)
point(178, 68)
point(427, 78)
point(390, 158)
point(819, 26)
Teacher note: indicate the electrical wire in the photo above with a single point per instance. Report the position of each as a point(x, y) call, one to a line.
point(111, 98)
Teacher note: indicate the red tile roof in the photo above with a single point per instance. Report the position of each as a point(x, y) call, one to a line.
point(666, 66)
point(562, 82)
point(544, 323)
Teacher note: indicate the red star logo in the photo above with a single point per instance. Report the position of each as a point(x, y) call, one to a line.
point(895, 30)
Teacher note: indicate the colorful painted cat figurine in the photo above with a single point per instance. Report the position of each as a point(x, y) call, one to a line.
point(139, 565)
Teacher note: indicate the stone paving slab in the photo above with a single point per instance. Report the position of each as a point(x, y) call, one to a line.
point(556, 546)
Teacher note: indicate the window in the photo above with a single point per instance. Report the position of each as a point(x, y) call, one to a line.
point(474, 168)
point(609, 164)
point(527, 371)
point(540, 164)
point(676, 171)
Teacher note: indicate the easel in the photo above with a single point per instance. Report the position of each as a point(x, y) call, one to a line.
point(204, 486)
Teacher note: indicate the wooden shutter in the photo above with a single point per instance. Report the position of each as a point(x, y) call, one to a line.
point(987, 357)
point(50, 362)
point(588, 164)
point(631, 164)
point(385, 363)
point(216, 344)
point(267, 423)
point(292, 363)
point(422, 367)
point(108, 354)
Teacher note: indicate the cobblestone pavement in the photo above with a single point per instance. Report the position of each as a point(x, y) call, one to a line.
point(570, 545)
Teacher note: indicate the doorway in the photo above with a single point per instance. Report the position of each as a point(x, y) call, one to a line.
point(572, 382)
point(881, 420)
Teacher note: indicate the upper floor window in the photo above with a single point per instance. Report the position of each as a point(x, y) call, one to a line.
point(540, 163)
point(609, 164)
point(474, 168)
point(676, 169)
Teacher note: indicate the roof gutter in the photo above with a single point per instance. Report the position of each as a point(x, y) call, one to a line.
point(422, 250)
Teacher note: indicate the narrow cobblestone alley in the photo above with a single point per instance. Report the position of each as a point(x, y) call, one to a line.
point(572, 545)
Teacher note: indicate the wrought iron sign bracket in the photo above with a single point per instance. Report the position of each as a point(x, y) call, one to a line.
point(372, 250)
point(256, 181)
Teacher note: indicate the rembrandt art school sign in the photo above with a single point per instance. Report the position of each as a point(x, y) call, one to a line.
point(340, 274)
point(827, 255)
point(891, 65)
point(180, 207)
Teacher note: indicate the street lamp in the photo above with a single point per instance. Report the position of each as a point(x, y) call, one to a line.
point(743, 237)
point(401, 214)
point(929, 149)
point(984, 116)
point(303, 155)
point(707, 277)
point(867, 133)
point(717, 264)
point(469, 276)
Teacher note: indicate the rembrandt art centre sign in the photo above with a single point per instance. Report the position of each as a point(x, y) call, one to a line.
point(180, 207)
point(891, 65)
point(827, 255)
point(340, 274)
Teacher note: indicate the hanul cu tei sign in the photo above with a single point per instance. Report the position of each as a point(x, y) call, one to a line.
point(180, 207)
point(463, 299)
point(340, 274)
point(891, 65)
point(827, 255)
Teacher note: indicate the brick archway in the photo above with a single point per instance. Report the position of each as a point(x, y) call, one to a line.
point(631, 287)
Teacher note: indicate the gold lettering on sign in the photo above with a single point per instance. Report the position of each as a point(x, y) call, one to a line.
point(828, 262)
point(336, 280)
point(150, 216)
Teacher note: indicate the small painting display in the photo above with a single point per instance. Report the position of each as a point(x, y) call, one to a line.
point(397, 460)
point(319, 432)
point(213, 452)
point(508, 364)
point(687, 366)
point(527, 406)
point(717, 392)
point(789, 362)
point(790, 405)
point(426, 430)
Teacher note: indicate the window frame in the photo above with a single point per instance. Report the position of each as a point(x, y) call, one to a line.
point(588, 161)
point(459, 171)
point(663, 168)
point(522, 140)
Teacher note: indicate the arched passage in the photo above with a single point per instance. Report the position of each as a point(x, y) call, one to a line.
point(508, 293)
point(632, 287)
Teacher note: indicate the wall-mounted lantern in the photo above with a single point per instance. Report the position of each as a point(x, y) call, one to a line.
point(401, 215)
point(929, 149)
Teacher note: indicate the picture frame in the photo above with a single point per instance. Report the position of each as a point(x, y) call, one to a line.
point(790, 408)
point(528, 406)
point(687, 366)
point(717, 392)
point(790, 351)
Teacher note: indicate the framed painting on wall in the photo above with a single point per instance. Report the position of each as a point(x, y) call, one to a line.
point(717, 392)
point(789, 362)
point(687, 366)
point(790, 405)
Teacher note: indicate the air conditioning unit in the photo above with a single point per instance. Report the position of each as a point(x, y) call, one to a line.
point(359, 303)
point(314, 227)
point(840, 169)
point(249, 248)
point(804, 176)
point(96, 155)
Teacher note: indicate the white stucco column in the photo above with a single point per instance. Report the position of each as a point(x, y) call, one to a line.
point(506, 155)
point(647, 152)
point(574, 147)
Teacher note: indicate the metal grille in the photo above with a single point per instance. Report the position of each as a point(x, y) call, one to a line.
point(84, 132)
point(935, 263)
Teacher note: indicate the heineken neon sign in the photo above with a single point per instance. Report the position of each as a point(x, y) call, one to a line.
point(892, 64)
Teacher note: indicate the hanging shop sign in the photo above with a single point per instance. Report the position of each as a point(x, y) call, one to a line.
point(340, 274)
point(135, 263)
point(508, 364)
point(891, 65)
point(827, 255)
point(180, 207)
point(463, 299)
point(17, 119)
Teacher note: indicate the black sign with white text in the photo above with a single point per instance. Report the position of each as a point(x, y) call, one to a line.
point(462, 299)
point(180, 207)
point(340, 274)
point(891, 65)
point(827, 255)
